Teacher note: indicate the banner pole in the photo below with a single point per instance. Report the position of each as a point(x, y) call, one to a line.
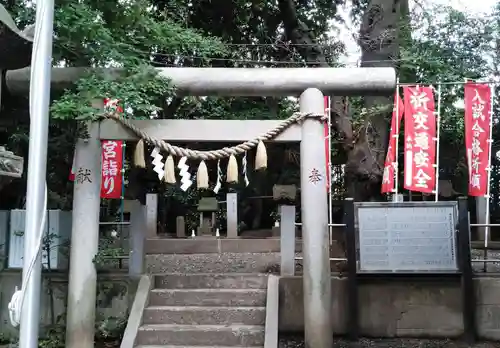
point(490, 142)
point(329, 166)
point(438, 132)
point(396, 150)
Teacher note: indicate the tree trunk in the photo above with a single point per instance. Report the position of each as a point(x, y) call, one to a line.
point(379, 42)
point(379, 38)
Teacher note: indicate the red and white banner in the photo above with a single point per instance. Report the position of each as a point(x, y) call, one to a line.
point(327, 141)
point(73, 168)
point(477, 136)
point(113, 105)
point(390, 159)
point(112, 165)
point(420, 137)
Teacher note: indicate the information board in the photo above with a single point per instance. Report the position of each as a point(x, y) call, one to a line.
point(407, 237)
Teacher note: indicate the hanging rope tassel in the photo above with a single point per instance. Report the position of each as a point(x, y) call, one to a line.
point(202, 176)
point(170, 170)
point(139, 160)
point(261, 157)
point(232, 170)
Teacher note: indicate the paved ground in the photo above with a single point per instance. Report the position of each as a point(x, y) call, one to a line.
point(298, 342)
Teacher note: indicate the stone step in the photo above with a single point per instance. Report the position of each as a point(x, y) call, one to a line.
point(212, 263)
point(201, 335)
point(193, 315)
point(211, 281)
point(208, 297)
point(217, 246)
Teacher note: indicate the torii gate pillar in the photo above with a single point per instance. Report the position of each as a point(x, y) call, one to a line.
point(314, 203)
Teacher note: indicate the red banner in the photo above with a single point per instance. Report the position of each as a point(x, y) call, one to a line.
point(420, 135)
point(327, 141)
point(112, 165)
point(112, 105)
point(390, 159)
point(73, 168)
point(477, 136)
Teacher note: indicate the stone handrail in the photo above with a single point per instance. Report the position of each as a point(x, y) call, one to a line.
point(135, 317)
point(272, 312)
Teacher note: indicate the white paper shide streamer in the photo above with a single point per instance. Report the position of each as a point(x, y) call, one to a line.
point(186, 181)
point(218, 184)
point(158, 163)
point(244, 165)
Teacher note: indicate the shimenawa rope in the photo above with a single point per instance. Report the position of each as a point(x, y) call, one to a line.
point(221, 153)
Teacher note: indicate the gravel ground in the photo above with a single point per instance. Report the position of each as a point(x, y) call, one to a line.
point(298, 342)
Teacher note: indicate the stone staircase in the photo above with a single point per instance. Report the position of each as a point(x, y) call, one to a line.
point(205, 299)
point(205, 310)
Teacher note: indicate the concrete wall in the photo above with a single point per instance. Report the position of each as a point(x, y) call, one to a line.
point(400, 308)
point(388, 308)
point(113, 298)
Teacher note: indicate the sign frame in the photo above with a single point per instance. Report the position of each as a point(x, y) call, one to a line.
point(453, 205)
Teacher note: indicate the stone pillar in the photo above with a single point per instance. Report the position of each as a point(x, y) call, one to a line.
point(317, 282)
point(151, 215)
point(232, 214)
point(180, 228)
point(84, 242)
point(287, 241)
point(137, 235)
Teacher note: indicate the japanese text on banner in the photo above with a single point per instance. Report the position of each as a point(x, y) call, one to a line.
point(112, 164)
point(390, 159)
point(477, 134)
point(327, 141)
point(420, 135)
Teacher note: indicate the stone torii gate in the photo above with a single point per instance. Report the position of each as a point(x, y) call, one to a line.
point(310, 84)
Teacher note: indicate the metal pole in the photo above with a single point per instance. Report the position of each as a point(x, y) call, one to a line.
point(396, 149)
point(490, 143)
point(317, 279)
point(37, 168)
point(438, 125)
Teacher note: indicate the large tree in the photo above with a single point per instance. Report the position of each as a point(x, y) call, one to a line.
point(382, 26)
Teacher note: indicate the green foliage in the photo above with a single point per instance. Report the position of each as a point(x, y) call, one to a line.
point(140, 86)
point(111, 329)
point(108, 254)
point(123, 35)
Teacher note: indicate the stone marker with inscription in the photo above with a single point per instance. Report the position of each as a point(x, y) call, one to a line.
point(407, 237)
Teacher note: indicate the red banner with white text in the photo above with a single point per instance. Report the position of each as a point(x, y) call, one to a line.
point(112, 165)
point(420, 135)
point(327, 141)
point(477, 136)
point(390, 159)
